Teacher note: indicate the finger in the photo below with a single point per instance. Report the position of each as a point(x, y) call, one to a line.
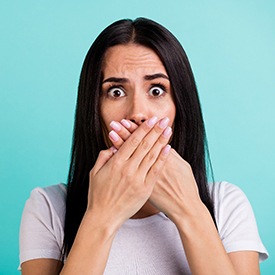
point(134, 140)
point(147, 143)
point(154, 153)
point(122, 131)
point(157, 167)
point(115, 139)
point(129, 125)
point(102, 159)
point(124, 128)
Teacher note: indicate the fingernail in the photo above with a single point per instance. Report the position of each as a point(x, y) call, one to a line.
point(166, 149)
point(125, 123)
point(115, 125)
point(114, 136)
point(152, 121)
point(167, 132)
point(164, 122)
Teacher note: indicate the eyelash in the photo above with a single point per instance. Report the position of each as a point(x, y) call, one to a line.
point(113, 87)
point(158, 85)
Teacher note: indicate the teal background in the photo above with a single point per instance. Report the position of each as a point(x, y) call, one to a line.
point(43, 43)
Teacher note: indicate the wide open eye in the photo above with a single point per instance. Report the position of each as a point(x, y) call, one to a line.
point(156, 91)
point(116, 92)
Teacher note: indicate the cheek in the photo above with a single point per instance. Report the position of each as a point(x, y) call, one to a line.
point(105, 117)
point(105, 121)
point(169, 110)
point(108, 113)
point(172, 112)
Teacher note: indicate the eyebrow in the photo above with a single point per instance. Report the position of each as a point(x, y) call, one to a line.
point(155, 76)
point(124, 80)
point(115, 79)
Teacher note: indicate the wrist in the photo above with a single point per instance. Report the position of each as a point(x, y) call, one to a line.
point(193, 216)
point(100, 224)
point(92, 245)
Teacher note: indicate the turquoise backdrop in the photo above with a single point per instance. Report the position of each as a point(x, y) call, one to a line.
point(231, 46)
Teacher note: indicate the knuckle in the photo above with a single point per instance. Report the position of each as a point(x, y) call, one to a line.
point(188, 165)
point(162, 140)
point(162, 157)
point(145, 127)
point(151, 156)
point(158, 130)
point(145, 144)
point(91, 173)
point(155, 171)
point(103, 153)
point(187, 168)
point(134, 141)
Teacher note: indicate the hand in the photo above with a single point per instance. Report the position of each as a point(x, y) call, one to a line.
point(121, 131)
point(121, 183)
point(176, 189)
point(175, 192)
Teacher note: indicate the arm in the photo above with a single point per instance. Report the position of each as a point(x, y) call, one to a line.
point(201, 241)
point(204, 249)
point(89, 252)
point(116, 193)
point(41, 266)
point(120, 184)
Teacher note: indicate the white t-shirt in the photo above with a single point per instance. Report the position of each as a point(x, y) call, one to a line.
point(150, 245)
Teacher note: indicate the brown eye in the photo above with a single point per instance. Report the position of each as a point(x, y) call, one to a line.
point(156, 91)
point(116, 92)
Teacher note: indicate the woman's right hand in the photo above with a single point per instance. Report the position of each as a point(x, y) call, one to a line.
point(121, 182)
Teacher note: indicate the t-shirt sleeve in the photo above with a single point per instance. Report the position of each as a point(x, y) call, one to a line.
point(41, 230)
point(236, 221)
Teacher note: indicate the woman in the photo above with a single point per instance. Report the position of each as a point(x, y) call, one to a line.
point(135, 204)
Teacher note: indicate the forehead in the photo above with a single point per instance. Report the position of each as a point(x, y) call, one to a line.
point(131, 58)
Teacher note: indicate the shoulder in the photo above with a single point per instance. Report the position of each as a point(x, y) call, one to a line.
point(235, 219)
point(52, 197)
point(224, 191)
point(230, 203)
point(46, 205)
point(223, 187)
point(42, 223)
point(55, 191)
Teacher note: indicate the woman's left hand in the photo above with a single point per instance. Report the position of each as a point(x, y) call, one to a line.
point(175, 192)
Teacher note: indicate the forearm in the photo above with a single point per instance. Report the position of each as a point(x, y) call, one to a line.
point(204, 250)
point(91, 248)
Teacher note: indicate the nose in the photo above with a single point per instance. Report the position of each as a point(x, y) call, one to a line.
point(137, 111)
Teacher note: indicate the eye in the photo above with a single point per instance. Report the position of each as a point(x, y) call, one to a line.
point(157, 91)
point(116, 92)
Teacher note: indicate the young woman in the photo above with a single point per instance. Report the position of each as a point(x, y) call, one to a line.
point(137, 199)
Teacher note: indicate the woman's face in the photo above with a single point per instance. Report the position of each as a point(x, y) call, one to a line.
point(135, 86)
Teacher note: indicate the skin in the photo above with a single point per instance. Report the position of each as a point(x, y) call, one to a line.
point(140, 175)
point(135, 88)
point(174, 200)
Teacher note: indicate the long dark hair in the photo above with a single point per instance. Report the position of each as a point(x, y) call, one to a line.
point(188, 135)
